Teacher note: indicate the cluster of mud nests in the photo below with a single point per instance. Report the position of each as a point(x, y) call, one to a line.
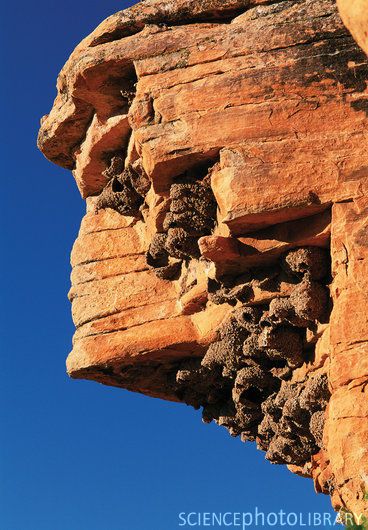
point(192, 215)
point(244, 382)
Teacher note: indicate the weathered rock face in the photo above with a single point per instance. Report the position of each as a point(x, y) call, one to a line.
point(222, 261)
point(355, 15)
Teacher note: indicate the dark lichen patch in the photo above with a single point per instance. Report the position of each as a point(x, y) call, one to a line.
point(346, 65)
point(129, 22)
point(125, 189)
point(244, 381)
point(360, 105)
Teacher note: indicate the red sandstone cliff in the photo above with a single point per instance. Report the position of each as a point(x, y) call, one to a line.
point(222, 262)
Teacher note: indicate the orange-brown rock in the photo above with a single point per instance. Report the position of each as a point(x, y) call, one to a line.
point(232, 255)
point(123, 312)
point(234, 134)
point(355, 15)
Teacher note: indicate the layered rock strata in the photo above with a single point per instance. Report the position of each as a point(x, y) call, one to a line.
point(220, 146)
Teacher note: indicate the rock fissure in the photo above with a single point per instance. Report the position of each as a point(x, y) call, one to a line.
point(109, 276)
point(108, 258)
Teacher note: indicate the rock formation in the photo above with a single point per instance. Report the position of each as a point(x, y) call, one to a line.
point(355, 15)
point(222, 262)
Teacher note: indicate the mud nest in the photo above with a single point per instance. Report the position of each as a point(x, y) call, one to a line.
point(125, 189)
point(245, 380)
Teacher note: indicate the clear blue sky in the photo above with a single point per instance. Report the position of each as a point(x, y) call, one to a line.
point(76, 455)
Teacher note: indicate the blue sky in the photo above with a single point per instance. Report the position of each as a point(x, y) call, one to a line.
point(76, 455)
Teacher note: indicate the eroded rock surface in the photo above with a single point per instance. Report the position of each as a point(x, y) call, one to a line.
point(222, 262)
point(355, 16)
